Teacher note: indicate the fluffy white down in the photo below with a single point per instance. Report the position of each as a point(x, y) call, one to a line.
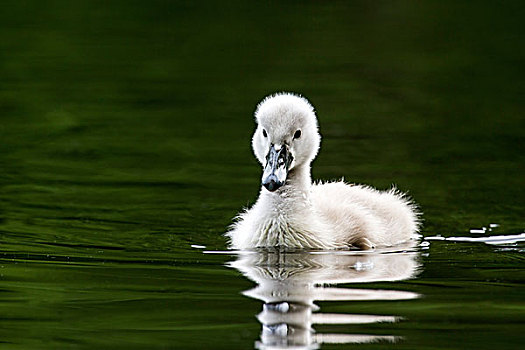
point(315, 216)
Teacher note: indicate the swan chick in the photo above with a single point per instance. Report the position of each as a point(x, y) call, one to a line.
point(293, 213)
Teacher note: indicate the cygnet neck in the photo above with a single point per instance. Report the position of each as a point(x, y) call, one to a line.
point(299, 178)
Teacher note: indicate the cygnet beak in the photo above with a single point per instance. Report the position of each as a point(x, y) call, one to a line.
point(276, 168)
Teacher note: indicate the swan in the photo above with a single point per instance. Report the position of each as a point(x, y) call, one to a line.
point(294, 213)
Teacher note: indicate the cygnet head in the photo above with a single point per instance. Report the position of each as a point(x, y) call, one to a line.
point(286, 137)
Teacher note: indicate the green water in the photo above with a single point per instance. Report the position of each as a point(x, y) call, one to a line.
point(125, 138)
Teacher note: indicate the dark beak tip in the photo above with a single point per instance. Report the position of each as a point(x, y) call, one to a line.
point(272, 183)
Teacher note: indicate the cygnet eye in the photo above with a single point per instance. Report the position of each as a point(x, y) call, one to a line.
point(264, 133)
point(297, 134)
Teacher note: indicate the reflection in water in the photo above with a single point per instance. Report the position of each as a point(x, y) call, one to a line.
point(290, 283)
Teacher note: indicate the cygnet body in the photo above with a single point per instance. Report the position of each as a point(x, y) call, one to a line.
point(293, 213)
